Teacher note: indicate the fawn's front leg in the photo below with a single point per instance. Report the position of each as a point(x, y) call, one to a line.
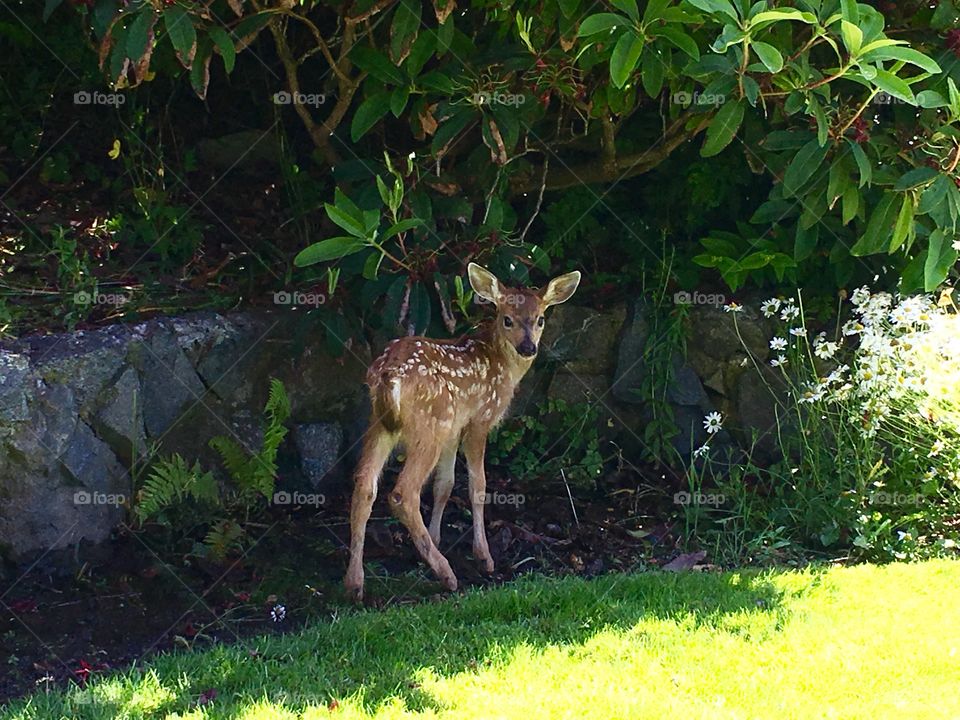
point(474, 448)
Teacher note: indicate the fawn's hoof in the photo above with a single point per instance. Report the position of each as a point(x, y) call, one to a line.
point(484, 560)
point(354, 590)
point(450, 582)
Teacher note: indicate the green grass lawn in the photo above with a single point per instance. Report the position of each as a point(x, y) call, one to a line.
point(861, 642)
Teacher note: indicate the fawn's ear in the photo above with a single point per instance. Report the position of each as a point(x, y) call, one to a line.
point(561, 288)
point(484, 282)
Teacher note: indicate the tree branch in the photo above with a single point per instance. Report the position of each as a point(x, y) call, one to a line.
point(601, 170)
point(320, 131)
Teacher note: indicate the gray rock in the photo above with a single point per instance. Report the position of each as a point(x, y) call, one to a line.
point(320, 447)
point(531, 391)
point(573, 388)
point(54, 418)
point(119, 422)
point(14, 374)
point(630, 367)
point(85, 361)
point(226, 351)
point(718, 337)
point(170, 383)
point(686, 388)
point(760, 403)
point(59, 483)
point(91, 464)
point(581, 339)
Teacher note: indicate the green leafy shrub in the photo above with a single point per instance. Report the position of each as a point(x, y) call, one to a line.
point(557, 436)
point(833, 122)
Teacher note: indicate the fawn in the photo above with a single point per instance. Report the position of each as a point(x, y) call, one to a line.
point(438, 396)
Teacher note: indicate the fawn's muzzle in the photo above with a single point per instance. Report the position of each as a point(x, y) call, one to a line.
point(527, 348)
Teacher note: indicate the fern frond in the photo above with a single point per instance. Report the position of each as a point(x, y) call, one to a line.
point(223, 537)
point(204, 488)
point(170, 482)
point(234, 457)
point(278, 403)
point(256, 474)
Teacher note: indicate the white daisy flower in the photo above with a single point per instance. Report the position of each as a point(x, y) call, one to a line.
point(733, 307)
point(778, 361)
point(701, 451)
point(936, 448)
point(712, 423)
point(875, 308)
point(770, 307)
point(778, 343)
point(837, 375)
point(798, 331)
point(814, 393)
point(789, 312)
point(860, 296)
point(852, 327)
point(825, 350)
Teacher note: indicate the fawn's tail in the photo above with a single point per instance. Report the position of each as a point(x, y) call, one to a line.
point(385, 398)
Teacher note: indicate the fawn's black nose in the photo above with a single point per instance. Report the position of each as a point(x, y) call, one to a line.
point(527, 348)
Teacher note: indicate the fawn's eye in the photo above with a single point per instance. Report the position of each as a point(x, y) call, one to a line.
point(540, 321)
point(507, 321)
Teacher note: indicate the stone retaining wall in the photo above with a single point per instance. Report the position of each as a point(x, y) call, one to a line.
point(79, 410)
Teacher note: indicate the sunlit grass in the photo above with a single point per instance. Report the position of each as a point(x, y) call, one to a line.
point(863, 642)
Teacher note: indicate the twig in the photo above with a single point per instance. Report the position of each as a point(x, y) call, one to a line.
point(570, 496)
point(321, 44)
point(863, 106)
point(543, 187)
point(376, 8)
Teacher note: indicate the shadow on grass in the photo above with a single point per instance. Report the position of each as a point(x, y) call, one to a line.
point(379, 655)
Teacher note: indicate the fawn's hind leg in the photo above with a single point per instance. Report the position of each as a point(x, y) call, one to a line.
point(377, 445)
point(405, 503)
point(443, 486)
point(474, 448)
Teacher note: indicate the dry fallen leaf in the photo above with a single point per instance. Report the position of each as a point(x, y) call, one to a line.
point(685, 561)
point(427, 121)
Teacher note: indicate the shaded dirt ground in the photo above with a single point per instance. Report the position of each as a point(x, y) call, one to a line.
point(143, 599)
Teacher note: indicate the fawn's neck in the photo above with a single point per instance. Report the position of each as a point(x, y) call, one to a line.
point(505, 366)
